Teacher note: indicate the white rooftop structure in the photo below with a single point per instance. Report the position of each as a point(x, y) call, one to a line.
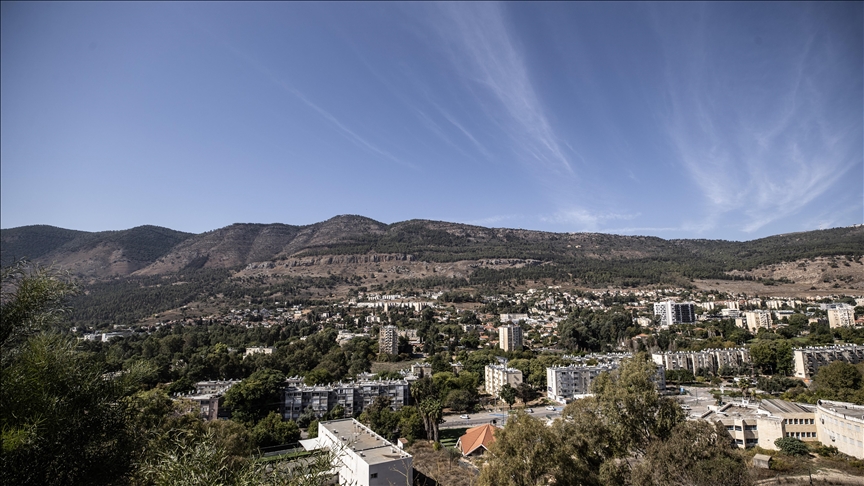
point(362, 457)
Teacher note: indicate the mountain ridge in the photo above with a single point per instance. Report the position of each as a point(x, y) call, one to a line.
point(154, 250)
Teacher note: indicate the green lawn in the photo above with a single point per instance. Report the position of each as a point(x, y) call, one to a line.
point(448, 437)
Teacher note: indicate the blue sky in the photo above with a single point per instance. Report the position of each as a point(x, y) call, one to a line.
point(682, 120)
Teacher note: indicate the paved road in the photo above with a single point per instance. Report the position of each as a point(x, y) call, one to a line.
point(455, 421)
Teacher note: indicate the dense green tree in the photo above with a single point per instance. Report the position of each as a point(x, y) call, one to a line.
point(272, 430)
point(410, 424)
point(508, 394)
point(62, 421)
point(460, 400)
point(31, 299)
point(381, 419)
point(792, 446)
point(628, 400)
point(62, 415)
point(625, 434)
point(698, 454)
point(525, 453)
point(255, 397)
point(838, 376)
point(427, 399)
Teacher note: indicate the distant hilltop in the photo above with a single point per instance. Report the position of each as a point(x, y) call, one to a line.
point(351, 244)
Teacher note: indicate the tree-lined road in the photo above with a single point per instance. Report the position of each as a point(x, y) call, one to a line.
point(455, 421)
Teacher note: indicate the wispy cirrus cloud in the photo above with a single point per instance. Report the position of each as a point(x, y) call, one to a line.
point(762, 136)
point(343, 129)
point(485, 54)
point(586, 220)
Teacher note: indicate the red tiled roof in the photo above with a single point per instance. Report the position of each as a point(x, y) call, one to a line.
point(482, 436)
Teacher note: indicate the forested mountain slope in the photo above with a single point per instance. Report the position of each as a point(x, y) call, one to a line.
point(100, 254)
point(590, 257)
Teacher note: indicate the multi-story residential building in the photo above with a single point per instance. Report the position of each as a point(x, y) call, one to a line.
point(208, 398)
point(353, 397)
point(567, 383)
point(840, 425)
point(361, 456)
point(388, 340)
point(498, 375)
point(809, 360)
point(731, 357)
point(709, 360)
point(757, 319)
point(840, 315)
point(208, 405)
point(673, 313)
point(510, 337)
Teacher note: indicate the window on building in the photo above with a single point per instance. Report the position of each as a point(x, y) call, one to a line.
point(373, 475)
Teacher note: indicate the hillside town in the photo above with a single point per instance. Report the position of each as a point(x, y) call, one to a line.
point(705, 349)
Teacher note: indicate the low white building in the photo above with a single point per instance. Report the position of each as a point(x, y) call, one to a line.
point(362, 457)
point(840, 425)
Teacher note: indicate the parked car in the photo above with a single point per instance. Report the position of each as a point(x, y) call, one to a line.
point(529, 410)
point(550, 408)
point(464, 417)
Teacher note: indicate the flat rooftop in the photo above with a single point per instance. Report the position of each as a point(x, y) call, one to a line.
point(848, 410)
point(776, 407)
point(358, 438)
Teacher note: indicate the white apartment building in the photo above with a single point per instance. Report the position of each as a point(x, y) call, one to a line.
point(840, 315)
point(710, 359)
point(756, 319)
point(567, 383)
point(388, 340)
point(498, 375)
point(510, 337)
point(840, 425)
point(809, 360)
point(673, 313)
point(362, 457)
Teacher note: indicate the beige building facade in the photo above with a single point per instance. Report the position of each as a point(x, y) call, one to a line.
point(498, 375)
point(841, 425)
point(841, 315)
point(757, 319)
point(510, 337)
point(388, 340)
